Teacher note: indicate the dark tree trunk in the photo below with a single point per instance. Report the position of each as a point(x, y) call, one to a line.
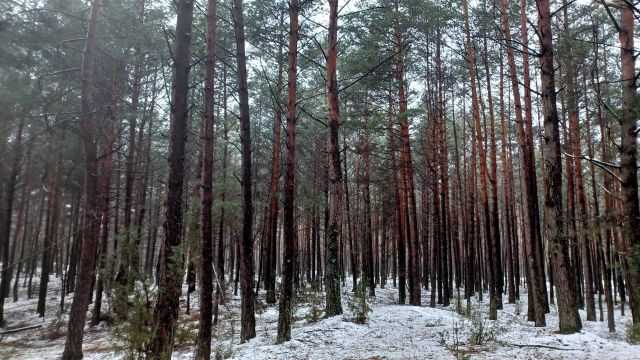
point(406, 178)
point(203, 349)
point(90, 222)
point(367, 263)
point(569, 319)
point(170, 270)
point(248, 321)
point(5, 220)
point(332, 270)
point(489, 235)
point(220, 248)
point(105, 181)
point(285, 316)
point(536, 306)
point(271, 223)
point(629, 161)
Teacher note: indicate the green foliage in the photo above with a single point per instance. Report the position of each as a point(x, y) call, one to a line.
point(358, 307)
point(480, 331)
point(223, 350)
point(133, 331)
point(461, 310)
point(56, 329)
point(454, 336)
point(315, 313)
point(633, 333)
point(304, 296)
point(184, 336)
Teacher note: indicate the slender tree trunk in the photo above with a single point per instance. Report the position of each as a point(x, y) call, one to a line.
point(285, 316)
point(248, 320)
point(406, 178)
point(489, 236)
point(352, 250)
point(5, 220)
point(629, 161)
point(203, 348)
point(105, 181)
point(170, 272)
point(332, 271)
point(496, 249)
point(367, 264)
point(271, 224)
point(21, 235)
point(220, 288)
point(401, 250)
point(536, 306)
point(90, 221)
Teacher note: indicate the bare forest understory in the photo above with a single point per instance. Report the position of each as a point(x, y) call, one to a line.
point(390, 331)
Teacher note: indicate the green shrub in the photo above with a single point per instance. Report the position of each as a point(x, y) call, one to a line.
point(134, 332)
point(223, 350)
point(633, 333)
point(56, 329)
point(481, 332)
point(358, 306)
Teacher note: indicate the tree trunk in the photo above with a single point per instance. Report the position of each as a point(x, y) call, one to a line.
point(569, 319)
point(332, 271)
point(367, 264)
point(248, 320)
point(536, 307)
point(90, 223)
point(629, 161)
point(105, 181)
point(406, 177)
point(5, 220)
point(203, 348)
point(271, 223)
point(170, 272)
point(285, 315)
point(220, 248)
point(489, 236)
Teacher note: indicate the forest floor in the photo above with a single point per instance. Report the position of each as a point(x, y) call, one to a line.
point(391, 331)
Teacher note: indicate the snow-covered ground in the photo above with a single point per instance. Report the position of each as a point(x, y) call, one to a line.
point(391, 332)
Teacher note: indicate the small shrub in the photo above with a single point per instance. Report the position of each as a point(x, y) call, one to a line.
point(455, 346)
point(184, 336)
point(358, 306)
point(223, 350)
point(480, 332)
point(315, 313)
point(133, 332)
point(56, 329)
point(633, 333)
point(477, 332)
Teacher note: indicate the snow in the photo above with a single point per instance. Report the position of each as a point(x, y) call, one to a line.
point(391, 332)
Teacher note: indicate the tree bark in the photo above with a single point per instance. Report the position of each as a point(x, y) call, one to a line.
point(5, 220)
point(569, 319)
point(90, 221)
point(332, 270)
point(203, 348)
point(272, 211)
point(629, 161)
point(170, 272)
point(248, 320)
point(285, 315)
point(536, 306)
